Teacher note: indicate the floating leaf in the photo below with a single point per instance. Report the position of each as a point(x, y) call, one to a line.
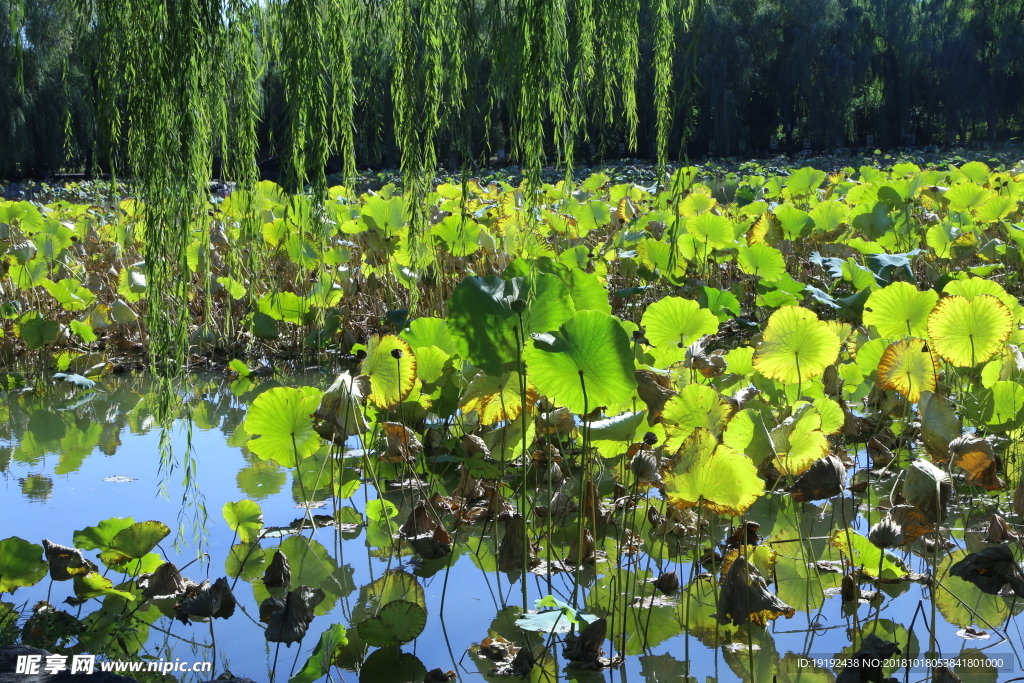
point(398, 622)
point(796, 346)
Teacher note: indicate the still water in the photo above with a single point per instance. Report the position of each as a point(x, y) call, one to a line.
point(70, 459)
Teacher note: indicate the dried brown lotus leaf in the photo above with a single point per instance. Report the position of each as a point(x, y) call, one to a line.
point(66, 563)
point(993, 570)
point(745, 597)
point(216, 601)
point(1018, 500)
point(654, 390)
point(589, 549)
point(999, 530)
point(584, 652)
point(511, 548)
point(823, 479)
point(879, 453)
point(473, 444)
point(338, 415)
point(418, 523)
point(290, 619)
point(975, 456)
point(402, 443)
point(165, 582)
point(560, 422)
point(278, 574)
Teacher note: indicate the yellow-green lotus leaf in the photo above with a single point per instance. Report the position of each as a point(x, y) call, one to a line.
point(711, 475)
point(798, 442)
point(796, 346)
point(675, 323)
point(966, 332)
point(496, 399)
point(697, 405)
point(909, 367)
point(900, 310)
point(391, 367)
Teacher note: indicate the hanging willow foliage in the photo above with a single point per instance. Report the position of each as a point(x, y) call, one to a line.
point(180, 82)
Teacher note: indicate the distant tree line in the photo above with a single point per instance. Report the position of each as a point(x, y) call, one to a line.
point(831, 72)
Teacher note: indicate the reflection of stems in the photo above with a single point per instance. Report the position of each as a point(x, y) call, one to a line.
point(213, 644)
point(273, 670)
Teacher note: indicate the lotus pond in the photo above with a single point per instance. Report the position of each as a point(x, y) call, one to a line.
point(730, 432)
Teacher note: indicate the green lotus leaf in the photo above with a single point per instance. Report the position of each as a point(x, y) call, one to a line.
point(796, 346)
point(697, 405)
point(279, 422)
point(485, 329)
point(713, 476)
point(284, 306)
point(711, 229)
point(967, 196)
point(423, 332)
point(673, 323)
point(36, 331)
point(93, 585)
point(966, 332)
point(380, 509)
point(134, 542)
point(391, 366)
point(899, 310)
point(244, 518)
point(829, 215)
point(321, 659)
point(804, 181)
point(586, 364)
point(20, 564)
point(976, 286)
point(100, 537)
point(865, 556)
point(798, 442)
point(398, 622)
point(1007, 402)
point(761, 261)
point(460, 237)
